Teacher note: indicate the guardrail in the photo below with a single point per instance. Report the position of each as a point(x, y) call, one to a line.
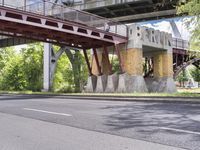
point(70, 14)
point(99, 3)
point(180, 44)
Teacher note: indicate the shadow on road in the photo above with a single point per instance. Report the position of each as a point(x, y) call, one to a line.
point(148, 118)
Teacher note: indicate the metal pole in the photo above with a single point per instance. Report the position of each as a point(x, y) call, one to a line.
point(44, 7)
point(24, 5)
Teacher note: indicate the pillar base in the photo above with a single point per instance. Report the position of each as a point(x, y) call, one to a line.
point(91, 84)
point(130, 83)
point(101, 84)
point(45, 90)
point(161, 85)
point(112, 83)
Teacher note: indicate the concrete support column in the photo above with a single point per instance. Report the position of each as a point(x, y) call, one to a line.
point(133, 62)
point(132, 80)
point(163, 73)
point(163, 65)
point(46, 66)
point(104, 63)
point(100, 68)
point(50, 62)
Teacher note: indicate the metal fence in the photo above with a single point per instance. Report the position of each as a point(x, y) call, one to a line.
point(67, 13)
point(180, 44)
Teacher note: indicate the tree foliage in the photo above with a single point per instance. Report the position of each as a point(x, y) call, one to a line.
point(195, 73)
point(192, 8)
point(23, 70)
point(183, 77)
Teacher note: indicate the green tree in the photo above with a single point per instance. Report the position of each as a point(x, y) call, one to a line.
point(182, 78)
point(195, 73)
point(71, 72)
point(21, 70)
point(5, 55)
point(79, 69)
point(13, 77)
point(24, 70)
point(192, 8)
point(32, 66)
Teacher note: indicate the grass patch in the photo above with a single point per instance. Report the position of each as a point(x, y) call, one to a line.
point(180, 93)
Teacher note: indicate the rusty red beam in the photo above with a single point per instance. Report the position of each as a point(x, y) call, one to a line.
point(87, 61)
point(107, 59)
point(119, 58)
point(32, 22)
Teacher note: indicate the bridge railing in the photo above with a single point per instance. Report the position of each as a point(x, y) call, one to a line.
point(67, 13)
point(180, 44)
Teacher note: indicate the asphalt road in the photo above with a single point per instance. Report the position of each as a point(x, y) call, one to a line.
point(55, 123)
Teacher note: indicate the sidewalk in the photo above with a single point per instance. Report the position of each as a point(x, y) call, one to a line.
point(19, 133)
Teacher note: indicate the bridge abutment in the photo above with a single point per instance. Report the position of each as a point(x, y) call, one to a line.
point(143, 42)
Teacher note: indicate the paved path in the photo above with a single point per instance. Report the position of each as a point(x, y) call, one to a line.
point(60, 124)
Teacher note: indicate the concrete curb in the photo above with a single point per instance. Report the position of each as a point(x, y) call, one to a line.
point(170, 99)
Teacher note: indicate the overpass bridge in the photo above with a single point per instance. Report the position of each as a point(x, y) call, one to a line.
point(59, 25)
point(68, 27)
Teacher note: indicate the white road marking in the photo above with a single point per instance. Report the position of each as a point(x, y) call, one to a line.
point(49, 112)
point(179, 130)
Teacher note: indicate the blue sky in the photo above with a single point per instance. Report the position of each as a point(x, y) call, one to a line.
point(164, 25)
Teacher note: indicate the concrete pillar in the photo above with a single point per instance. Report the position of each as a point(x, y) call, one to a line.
point(91, 84)
point(132, 80)
point(46, 66)
point(98, 81)
point(50, 62)
point(112, 83)
point(133, 62)
point(163, 64)
point(163, 73)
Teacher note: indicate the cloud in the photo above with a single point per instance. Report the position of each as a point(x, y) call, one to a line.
point(164, 25)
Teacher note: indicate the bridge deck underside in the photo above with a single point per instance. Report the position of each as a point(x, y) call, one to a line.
point(133, 11)
point(62, 32)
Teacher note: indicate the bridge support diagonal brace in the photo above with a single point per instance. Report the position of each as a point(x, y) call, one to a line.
point(107, 59)
point(120, 58)
point(87, 61)
point(97, 61)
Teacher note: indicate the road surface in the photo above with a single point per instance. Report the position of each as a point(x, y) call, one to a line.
point(53, 123)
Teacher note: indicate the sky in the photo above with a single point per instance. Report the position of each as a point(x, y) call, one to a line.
point(164, 25)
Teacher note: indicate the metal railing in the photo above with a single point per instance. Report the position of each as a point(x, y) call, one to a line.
point(62, 12)
point(180, 44)
point(99, 3)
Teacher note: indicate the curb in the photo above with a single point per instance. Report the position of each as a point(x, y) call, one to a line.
point(170, 99)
